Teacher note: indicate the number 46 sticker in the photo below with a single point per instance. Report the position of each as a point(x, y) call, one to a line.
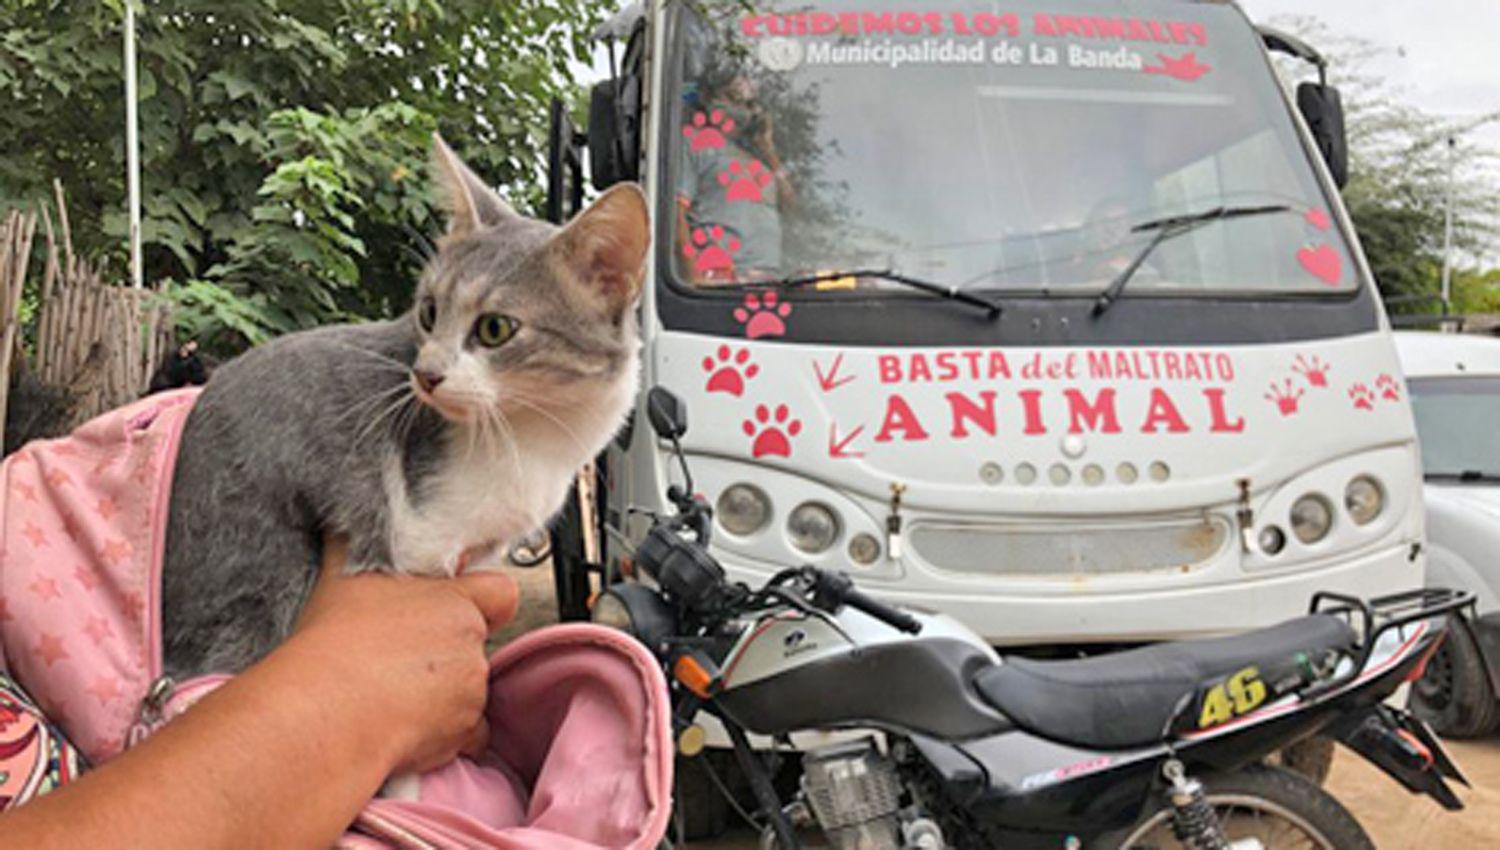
point(1236, 696)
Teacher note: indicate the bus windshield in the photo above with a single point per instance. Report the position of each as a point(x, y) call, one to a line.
point(1004, 147)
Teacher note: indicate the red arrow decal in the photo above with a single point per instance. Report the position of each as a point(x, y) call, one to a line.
point(839, 449)
point(831, 381)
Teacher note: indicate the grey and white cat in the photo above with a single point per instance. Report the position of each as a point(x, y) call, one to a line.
point(433, 441)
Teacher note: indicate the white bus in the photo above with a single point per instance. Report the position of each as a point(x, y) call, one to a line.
point(1045, 315)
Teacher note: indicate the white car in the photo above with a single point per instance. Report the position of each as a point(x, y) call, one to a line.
point(1454, 382)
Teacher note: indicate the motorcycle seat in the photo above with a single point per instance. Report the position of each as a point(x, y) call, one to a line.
point(1130, 699)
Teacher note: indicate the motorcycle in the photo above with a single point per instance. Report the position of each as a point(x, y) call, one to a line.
point(948, 745)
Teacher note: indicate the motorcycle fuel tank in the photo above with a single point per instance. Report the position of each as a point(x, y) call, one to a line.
point(793, 671)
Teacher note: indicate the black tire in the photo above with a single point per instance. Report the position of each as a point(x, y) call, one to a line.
point(1311, 757)
point(1279, 794)
point(700, 811)
point(1454, 694)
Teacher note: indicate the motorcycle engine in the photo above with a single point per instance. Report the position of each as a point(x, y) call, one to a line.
point(855, 794)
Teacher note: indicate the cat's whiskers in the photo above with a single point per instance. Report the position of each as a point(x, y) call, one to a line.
point(536, 407)
point(495, 415)
point(363, 406)
point(393, 408)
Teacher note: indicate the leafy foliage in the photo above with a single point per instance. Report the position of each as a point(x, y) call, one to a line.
point(284, 142)
point(1399, 172)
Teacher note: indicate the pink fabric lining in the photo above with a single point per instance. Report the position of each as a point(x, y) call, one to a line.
point(82, 535)
point(581, 727)
point(581, 756)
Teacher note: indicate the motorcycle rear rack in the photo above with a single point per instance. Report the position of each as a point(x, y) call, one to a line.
point(1385, 613)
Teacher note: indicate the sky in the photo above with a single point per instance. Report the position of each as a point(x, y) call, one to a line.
point(1445, 53)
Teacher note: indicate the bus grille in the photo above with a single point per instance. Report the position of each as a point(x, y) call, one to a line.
point(1012, 550)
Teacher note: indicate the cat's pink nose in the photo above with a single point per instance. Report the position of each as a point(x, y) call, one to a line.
point(428, 381)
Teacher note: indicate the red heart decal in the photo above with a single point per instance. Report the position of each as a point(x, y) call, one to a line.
point(1319, 219)
point(1322, 262)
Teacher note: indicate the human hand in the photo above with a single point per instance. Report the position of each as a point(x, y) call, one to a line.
point(406, 654)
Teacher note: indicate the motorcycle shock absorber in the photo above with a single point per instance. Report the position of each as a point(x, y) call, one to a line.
point(1193, 820)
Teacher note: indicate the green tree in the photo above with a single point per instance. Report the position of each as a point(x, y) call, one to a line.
point(1399, 160)
point(284, 141)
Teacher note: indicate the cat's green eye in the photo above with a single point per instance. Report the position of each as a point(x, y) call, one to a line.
point(427, 314)
point(495, 329)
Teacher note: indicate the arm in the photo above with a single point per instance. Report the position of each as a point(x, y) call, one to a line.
point(287, 753)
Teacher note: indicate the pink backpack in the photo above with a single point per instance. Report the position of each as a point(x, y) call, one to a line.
point(581, 753)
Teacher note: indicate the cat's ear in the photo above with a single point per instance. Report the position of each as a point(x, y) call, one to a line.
point(472, 204)
point(604, 249)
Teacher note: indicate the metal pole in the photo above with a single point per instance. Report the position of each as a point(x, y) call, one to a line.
point(132, 148)
point(1448, 231)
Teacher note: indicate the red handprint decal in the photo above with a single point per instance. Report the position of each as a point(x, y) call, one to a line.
point(1286, 397)
point(729, 370)
point(745, 181)
point(772, 431)
point(708, 130)
point(1187, 68)
point(712, 254)
point(1314, 370)
point(763, 315)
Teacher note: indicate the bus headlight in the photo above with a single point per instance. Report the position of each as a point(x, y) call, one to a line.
point(813, 527)
point(1311, 518)
point(743, 509)
point(1364, 500)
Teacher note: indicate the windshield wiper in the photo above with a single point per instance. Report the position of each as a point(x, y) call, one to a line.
point(1170, 228)
point(952, 293)
point(1467, 476)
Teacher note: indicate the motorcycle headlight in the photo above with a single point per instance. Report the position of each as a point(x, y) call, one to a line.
point(610, 610)
point(638, 610)
point(1364, 500)
point(743, 509)
point(1311, 518)
point(812, 527)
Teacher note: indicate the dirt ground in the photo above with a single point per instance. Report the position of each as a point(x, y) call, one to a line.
point(1395, 819)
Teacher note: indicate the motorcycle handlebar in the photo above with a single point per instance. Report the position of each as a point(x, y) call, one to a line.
point(841, 588)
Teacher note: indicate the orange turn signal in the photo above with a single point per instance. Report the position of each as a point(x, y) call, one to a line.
point(693, 676)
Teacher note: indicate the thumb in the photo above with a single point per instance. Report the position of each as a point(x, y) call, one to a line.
point(495, 595)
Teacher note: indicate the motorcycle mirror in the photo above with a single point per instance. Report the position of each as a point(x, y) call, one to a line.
point(667, 413)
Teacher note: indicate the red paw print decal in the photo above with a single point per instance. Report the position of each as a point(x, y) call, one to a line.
point(746, 181)
point(1286, 396)
point(708, 130)
point(728, 371)
point(772, 431)
point(1388, 388)
point(1186, 68)
point(1323, 263)
point(1362, 398)
point(1315, 370)
point(1319, 218)
point(763, 315)
point(712, 253)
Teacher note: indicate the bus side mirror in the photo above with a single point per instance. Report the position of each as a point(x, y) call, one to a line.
point(614, 136)
point(667, 413)
point(1323, 108)
point(605, 166)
